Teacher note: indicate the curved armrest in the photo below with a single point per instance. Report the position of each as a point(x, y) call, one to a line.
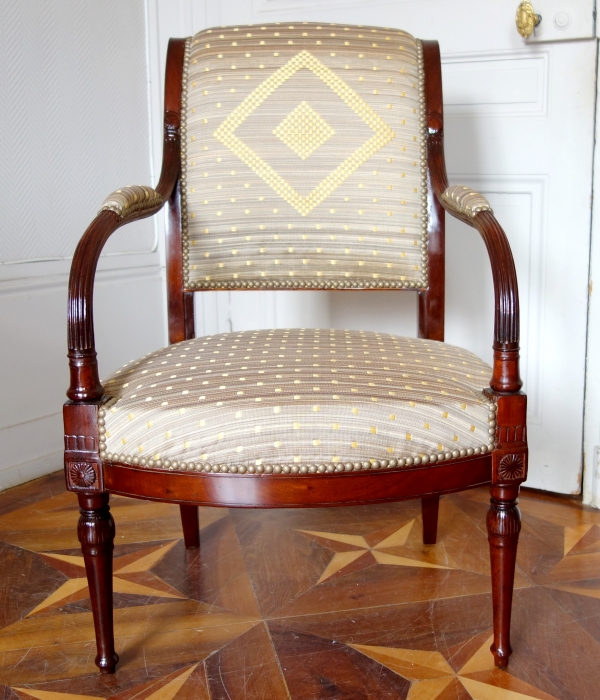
point(121, 207)
point(473, 209)
point(85, 382)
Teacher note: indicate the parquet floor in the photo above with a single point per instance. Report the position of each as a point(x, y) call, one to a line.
point(336, 604)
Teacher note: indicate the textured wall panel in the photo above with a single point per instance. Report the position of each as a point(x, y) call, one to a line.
point(73, 122)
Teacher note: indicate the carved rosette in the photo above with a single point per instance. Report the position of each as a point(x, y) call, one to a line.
point(82, 474)
point(83, 468)
point(511, 467)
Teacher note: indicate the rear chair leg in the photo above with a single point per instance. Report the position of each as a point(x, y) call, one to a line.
point(191, 526)
point(503, 526)
point(96, 531)
point(430, 506)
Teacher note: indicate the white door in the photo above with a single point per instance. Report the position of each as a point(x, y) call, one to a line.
point(519, 122)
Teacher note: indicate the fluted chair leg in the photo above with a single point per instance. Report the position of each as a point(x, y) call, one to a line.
point(191, 526)
point(430, 506)
point(503, 526)
point(96, 531)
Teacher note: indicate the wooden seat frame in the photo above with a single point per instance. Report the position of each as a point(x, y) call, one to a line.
point(504, 467)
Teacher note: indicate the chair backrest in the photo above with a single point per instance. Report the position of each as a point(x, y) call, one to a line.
point(304, 164)
point(303, 158)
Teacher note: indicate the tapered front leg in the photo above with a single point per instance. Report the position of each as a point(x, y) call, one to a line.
point(503, 526)
point(191, 526)
point(96, 531)
point(430, 506)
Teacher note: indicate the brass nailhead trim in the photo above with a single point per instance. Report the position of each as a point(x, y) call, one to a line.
point(183, 177)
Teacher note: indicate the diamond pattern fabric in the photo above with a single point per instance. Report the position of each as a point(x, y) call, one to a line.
point(298, 401)
point(303, 158)
point(303, 130)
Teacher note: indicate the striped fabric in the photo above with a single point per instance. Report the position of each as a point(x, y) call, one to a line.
point(296, 400)
point(303, 158)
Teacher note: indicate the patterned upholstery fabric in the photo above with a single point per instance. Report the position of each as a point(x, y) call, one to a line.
point(298, 401)
point(304, 158)
point(131, 199)
point(465, 201)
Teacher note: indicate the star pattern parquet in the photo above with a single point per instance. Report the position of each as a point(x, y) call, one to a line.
point(342, 603)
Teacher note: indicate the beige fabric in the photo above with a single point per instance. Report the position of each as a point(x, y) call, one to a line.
point(297, 399)
point(131, 199)
point(465, 201)
point(303, 158)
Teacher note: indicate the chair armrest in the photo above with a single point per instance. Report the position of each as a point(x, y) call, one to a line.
point(121, 207)
point(473, 209)
point(85, 382)
point(131, 200)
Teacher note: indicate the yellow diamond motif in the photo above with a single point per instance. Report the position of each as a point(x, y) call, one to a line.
point(304, 130)
point(383, 134)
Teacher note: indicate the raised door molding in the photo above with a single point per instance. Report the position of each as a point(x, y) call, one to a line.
point(500, 83)
point(265, 6)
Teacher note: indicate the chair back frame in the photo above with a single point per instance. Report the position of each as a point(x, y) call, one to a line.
point(431, 300)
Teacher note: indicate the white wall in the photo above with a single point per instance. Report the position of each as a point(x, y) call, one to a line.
point(73, 127)
point(591, 434)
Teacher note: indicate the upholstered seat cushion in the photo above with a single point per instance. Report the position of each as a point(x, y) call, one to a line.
point(300, 401)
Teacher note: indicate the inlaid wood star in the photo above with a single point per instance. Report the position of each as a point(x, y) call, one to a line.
point(355, 552)
point(165, 688)
point(411, 633)
point(434, 679)
point(131, 574)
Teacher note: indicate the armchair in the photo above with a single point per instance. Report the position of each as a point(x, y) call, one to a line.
point(298, 157)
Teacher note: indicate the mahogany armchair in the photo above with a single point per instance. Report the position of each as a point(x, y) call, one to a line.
point(299, 157)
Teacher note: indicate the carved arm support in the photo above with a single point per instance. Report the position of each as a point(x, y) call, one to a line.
point(85, 382)
point(121, 207)
point(473, 209)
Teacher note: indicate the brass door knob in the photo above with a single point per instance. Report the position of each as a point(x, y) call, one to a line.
point(527, 20)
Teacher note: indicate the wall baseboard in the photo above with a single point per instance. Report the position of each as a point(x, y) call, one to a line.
point(21, 473)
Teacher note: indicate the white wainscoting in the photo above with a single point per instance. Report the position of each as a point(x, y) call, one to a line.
point(74, 126)
point(34, 375)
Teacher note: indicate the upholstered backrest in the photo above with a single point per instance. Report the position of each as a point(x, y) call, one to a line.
point(303, 158)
